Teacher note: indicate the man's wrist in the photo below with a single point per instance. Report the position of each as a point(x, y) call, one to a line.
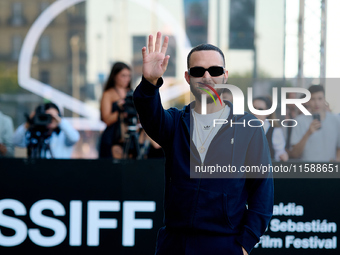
point(152, 81)
point(309, 133)
point(148, 88)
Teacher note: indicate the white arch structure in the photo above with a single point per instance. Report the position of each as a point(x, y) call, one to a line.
point(91, 114)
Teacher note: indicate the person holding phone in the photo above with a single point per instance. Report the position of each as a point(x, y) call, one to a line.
point(316, 137)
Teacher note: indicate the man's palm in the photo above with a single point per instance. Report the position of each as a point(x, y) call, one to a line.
point(152, 65)
point(155, 62)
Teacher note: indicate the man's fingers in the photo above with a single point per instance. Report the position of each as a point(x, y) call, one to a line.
point(157, 44)
point(316, 123)
point(165, 62)
point(165, 45)
point(150, 44)
point(144, 52)
point(158, 41)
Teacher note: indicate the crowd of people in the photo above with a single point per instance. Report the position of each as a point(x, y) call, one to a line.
point(314, 138)
point(46, 134)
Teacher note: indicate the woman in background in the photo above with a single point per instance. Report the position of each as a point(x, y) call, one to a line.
point(112, 111)
point(275, 137)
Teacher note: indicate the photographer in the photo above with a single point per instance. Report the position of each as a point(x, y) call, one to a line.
point(46, 134)
point(117, 111)
point(6, 133)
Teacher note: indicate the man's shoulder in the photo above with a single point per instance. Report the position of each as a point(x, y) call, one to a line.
point(333, 117)
point(303, 118)
point(246, 116)
point(248, 123)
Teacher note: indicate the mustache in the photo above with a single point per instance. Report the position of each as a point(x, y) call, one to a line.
point(212, 89)
point(209, 86)
point(205, 84)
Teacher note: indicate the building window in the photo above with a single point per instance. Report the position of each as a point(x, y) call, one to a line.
point(17, 18)
point(242, 23)
point(45, 52)
point(138, 42)
point(44, 77)
point(171, 69)
point(196, 21)
point(16, 46)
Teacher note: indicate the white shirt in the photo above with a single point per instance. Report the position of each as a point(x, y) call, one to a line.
point(204, 125)
point(322, 145)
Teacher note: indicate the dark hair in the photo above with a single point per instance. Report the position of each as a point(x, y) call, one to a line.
point(205, 46)
point(116, 68)
point(267, 101)
point(316, 88)
point(44, 107)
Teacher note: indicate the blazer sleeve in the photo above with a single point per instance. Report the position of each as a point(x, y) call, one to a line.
point(158, 123)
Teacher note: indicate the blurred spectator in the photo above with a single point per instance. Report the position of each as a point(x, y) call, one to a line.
point(292, 113)
point(306, 105)
point(226, 95)
point(291, 109)
point(112, 111)
point(6, 136)
point(274, 134)
point(316, 137)
point(46, 134)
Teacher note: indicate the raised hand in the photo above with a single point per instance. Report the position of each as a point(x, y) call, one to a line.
point(314, 126)
point(155, 62)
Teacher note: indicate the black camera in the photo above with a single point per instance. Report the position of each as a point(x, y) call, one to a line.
point(41, 120)
point(38, 133)
point(130, 110)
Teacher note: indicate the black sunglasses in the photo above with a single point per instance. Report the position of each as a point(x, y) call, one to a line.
point(199, 71)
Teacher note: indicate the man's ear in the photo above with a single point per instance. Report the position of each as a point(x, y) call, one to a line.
point(226, 75)
point(187, 77)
